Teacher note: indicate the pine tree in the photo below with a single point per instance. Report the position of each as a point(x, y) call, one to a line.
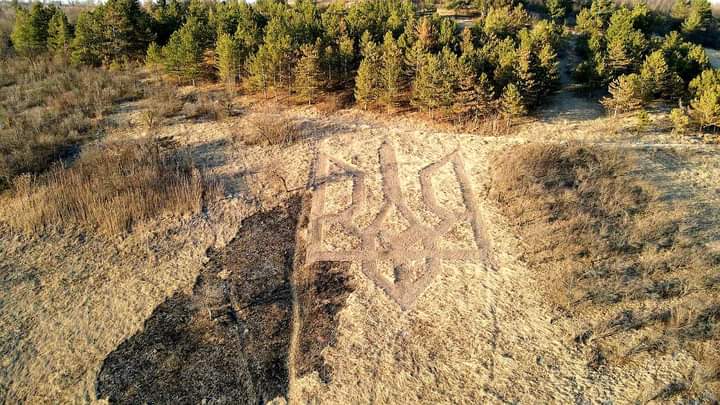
point(699, 19)
point(228, 58)
point(625, 44)
point(269, 66)
point(426, 85)
point(183, 54)
point(30, 31)
point(87, 46)
point(465, 102)
point(346, 55)
point(425, 34)
point(658, 81)
point(705, 108)
point(625, 94)
point(511, 103)
point(680, 10)
point(467, 45)
point(680, 120)
point(485, 96)
point(391, 71)
point(529, 80)
point(367, 82)
point(154, 55)
point(59, 34)
point(557, 9)
point(308, 80)
point(550, 67)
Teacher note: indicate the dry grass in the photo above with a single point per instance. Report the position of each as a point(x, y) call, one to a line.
point(110, 188)
point(48, 109)
point(272, 129)
point(626, 261)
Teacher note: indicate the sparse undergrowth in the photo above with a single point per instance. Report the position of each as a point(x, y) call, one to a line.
point(49, 108)
point(110, 188)
point(627, 262)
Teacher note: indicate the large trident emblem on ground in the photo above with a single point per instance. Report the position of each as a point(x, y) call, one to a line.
point(418, 242)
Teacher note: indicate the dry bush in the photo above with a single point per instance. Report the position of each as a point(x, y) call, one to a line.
point(214, 107)
point(49, 108)
point(166, 102)
point(272, 129)
point(334, 102)
point(110, 188)
point(597, 230)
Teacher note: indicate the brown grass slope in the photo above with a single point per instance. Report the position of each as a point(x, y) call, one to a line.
point(614, 256)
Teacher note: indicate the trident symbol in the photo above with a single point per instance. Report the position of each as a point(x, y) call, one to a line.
point(407, 285)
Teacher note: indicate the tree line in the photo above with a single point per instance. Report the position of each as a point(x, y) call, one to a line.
point(390, 55)
point(623, 52)
point(383, 50)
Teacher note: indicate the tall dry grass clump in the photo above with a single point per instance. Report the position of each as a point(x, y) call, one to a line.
point(49, 108)
point(272, 129)
point(110, 188)
point(612, 253)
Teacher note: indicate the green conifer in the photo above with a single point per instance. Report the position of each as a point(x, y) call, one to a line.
point(391, 71)
point(308, 80)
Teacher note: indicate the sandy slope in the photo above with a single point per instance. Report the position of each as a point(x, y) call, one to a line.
point(476, 331)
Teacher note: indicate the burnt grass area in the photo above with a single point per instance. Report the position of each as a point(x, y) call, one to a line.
point(229, 341)
point(321, 295)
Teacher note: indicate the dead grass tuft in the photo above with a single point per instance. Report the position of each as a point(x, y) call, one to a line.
point(598, 231)
point(110, 188)
point(272, 129)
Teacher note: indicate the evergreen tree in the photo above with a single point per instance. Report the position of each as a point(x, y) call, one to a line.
point(346, 55)
point(183, 54)
point(87, 46)
point(59, 34)
point(154, 58)
point(699, 19)
point(116, 30)
point(467, 46)
point(625, 94)
point(511, 103)
point(466, 100)
point(447, 35)
point(391, 71)
point(269, 66)
point(30, 31)
point(557, 9)
point(367, 83)
point(425, 34)
point(308, 80)
point(680, 10)
point(625, 44)
point(705, 105)
point(427, 84)
point(680, 120)
point(550, 67)
point(126, 30)
point(658, 81)
point(529, 80)
point(485, 96)
point(228, 58)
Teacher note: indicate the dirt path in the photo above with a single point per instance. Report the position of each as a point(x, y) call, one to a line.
point(567, 104)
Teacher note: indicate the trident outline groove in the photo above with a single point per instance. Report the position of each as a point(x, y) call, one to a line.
point(404, 289)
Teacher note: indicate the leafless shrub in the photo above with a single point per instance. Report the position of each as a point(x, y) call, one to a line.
point(110, 188)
